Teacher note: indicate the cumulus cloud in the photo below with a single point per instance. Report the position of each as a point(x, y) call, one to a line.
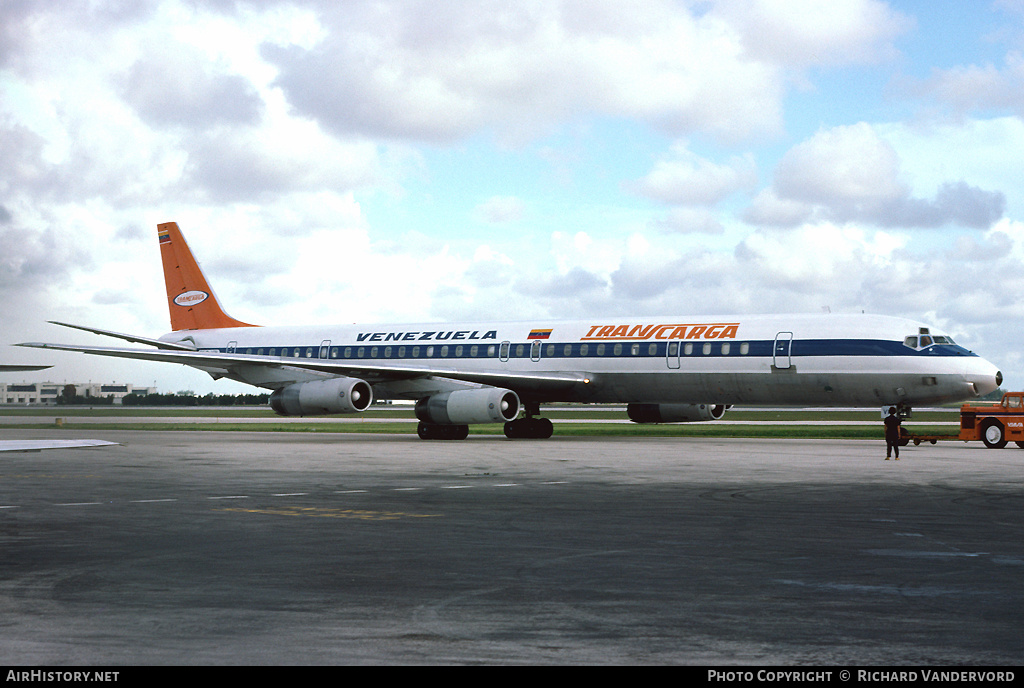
point(806, 33)
point(850, 174)
point(690, 180)
point(439, 72)
point(179, 86)
point(969, 88)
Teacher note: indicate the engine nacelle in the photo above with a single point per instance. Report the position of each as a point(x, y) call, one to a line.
point(337, 395)
point(674, 413)
point(465, 406)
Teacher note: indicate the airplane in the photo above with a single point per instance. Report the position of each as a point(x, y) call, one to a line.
point(665, 369)
point(39, 445)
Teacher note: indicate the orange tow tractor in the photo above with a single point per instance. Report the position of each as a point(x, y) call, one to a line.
point(995, 424)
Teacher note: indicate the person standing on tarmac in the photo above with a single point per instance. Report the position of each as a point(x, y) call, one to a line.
point(892, 434)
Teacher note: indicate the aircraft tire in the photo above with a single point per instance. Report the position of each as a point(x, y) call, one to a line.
point(993, 435)
point(529, 428)
point(433, 431)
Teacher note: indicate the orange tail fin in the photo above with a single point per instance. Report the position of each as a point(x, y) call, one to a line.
point(192, 303)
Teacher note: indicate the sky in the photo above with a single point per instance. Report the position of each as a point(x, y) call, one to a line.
point(405, 160)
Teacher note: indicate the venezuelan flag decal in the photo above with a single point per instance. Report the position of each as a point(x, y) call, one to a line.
point(164, 235)
point(539, 334)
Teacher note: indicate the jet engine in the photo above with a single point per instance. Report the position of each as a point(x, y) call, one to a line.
point(465, 406)
point(337, 395)
point(674, 413)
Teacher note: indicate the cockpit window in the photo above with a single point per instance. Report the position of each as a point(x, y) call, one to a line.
point(924, 339)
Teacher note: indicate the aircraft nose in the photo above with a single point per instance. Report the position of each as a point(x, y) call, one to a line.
point(985, 376)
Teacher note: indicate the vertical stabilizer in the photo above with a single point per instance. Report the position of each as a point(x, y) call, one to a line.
point(191, 301)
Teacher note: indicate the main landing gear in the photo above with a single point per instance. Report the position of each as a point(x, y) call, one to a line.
point(518, 429)
point(529, 427)
point(432, 431)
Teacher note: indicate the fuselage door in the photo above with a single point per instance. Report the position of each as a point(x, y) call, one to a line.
point(231, 347)
point(503, 350)
point(535, 351)
point(672, 354)
point(782, 354)
point(325, 346)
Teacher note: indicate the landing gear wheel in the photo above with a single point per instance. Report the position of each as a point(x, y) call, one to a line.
point(993, 435)
point(432, 431)
point(529, 428)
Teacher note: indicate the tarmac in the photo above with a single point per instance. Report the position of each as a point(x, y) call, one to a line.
point(251, 548)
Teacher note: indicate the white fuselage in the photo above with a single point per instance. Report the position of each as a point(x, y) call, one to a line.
point(828, 360)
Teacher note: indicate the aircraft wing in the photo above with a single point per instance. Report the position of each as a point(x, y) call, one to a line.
point(39, 445)
point(219, 364)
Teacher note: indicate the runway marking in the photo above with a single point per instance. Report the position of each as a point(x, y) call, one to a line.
point(290, 494)
point(317, 512)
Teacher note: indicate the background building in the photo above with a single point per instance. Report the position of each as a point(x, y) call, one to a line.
point(24, 393)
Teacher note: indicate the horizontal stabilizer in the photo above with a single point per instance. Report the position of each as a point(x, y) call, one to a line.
point(39, 445)
point(127, 337)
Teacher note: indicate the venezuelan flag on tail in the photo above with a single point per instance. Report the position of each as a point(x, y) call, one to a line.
point(190, 299)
